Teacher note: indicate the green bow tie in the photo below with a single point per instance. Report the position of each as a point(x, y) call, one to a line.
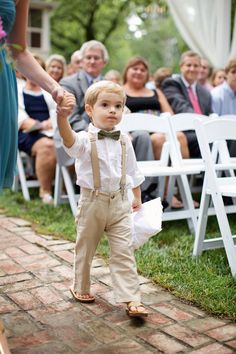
point(112, 135)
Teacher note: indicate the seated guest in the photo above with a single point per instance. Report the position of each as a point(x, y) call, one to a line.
point(218, 77)
point(113, 75)
point(56, 66)
point(35, 129)
point(204, 74)
point(160, 75)
point(75, 63)
point(93, 58)
point(186, 95)
point(224, 97)
point(142, 99)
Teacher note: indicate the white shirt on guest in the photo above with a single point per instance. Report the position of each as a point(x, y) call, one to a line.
point(22, 114)
point(109, 155)
point(187, 85)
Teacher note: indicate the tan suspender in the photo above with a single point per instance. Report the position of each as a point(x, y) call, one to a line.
point(95, 163)
point(123, 166)
point(96, 169)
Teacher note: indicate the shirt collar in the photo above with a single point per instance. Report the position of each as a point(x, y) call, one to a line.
point(187, 84)
point(91, 79)
point(93, 129)
point(228, 88)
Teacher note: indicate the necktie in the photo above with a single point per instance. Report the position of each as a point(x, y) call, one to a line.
point(102, 134)
point(194, 100)
point(93, 81)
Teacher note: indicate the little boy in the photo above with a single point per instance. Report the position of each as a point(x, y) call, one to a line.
point(105, 167)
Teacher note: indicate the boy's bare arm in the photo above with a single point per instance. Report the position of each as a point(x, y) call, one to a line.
point(65, 131)
point(63, 124)
point(137, 202)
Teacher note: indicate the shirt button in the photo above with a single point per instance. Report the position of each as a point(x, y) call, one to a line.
point(112, 196)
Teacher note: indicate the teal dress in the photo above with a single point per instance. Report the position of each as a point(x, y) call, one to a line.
point(8, 103)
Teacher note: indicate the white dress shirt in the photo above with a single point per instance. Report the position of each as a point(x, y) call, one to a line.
point(187, 84)
point(109, 155)
point(22, 114)
point(223, 99)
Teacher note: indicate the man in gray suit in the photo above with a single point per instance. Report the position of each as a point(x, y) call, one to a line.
point(94, 57)
point(185, 94)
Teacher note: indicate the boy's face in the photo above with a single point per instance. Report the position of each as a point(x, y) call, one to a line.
point(107, 111)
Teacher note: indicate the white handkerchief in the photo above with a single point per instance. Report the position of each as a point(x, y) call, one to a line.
point(146, 222)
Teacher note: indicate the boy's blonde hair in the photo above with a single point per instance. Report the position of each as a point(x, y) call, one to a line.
point(93, 91)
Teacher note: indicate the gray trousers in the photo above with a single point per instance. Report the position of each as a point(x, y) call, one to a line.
point(143, 150)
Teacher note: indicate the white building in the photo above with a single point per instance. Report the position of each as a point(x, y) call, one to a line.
point(39, 27)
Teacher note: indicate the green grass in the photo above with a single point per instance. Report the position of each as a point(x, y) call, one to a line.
point(166, 259)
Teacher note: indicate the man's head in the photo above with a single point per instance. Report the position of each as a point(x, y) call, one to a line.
point(113, 75)
point(190, 66)
point(231, 74)
point(204, 72)
point(94, 57)
point(104, 103)
point(75, 61)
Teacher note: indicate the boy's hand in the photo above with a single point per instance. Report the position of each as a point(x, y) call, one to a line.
point(65, 108)
point(136, 204)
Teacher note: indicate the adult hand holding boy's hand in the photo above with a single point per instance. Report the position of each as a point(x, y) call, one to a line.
point(65, 108)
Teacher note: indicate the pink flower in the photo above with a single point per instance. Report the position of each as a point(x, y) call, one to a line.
point(2, 32)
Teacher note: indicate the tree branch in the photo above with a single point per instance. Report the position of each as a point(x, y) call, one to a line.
point(115, 20)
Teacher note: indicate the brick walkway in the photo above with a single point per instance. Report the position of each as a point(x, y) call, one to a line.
point(40, 315)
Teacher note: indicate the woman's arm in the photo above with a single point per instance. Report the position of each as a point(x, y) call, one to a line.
point(25, 62)
point(165, 106)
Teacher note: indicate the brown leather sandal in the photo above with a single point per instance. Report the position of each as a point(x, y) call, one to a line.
point(136, 313)
point(85, 298)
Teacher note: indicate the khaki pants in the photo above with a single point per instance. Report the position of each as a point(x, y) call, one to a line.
point(96, 214)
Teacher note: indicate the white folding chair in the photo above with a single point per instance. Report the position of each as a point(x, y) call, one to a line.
point(216, 188)
point(63, 181)
point(20, 178)
point(160, 168)
point(183, 122)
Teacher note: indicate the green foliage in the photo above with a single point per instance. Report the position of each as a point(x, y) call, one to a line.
point(166, 259)
point(74, 22)
point(161, 44)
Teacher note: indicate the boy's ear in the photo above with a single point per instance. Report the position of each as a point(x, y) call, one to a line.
point(88, 110)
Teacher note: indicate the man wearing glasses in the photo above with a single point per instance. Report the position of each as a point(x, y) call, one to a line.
point(94, 57)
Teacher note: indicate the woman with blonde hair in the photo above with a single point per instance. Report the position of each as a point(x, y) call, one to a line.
point(56, 66)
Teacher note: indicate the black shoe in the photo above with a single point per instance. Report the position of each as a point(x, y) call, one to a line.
point(165, 204)
point(146, 197)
